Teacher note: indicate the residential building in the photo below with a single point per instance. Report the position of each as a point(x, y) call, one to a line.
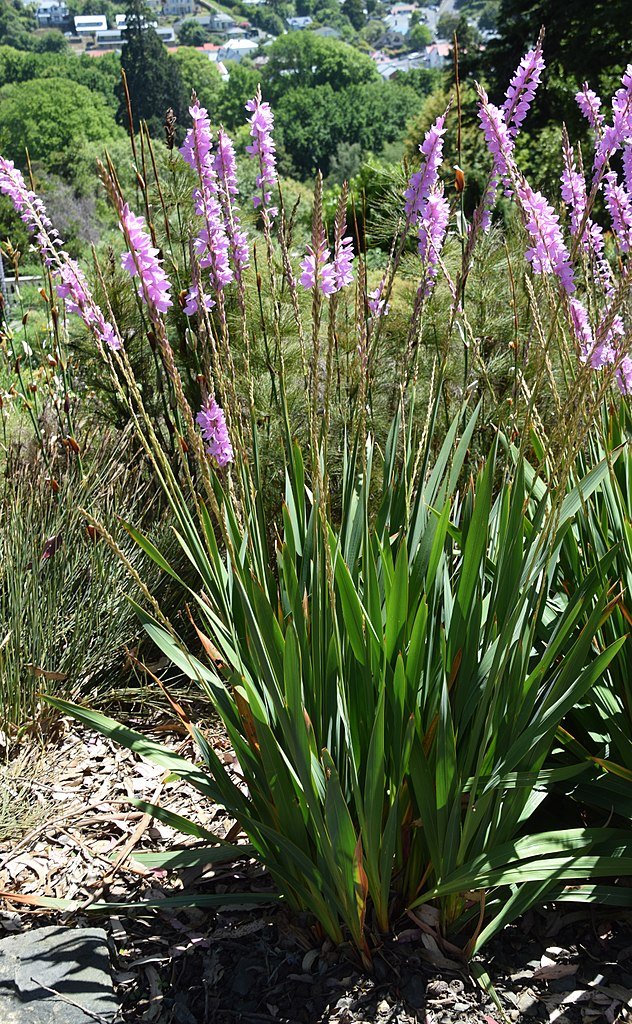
point(220, 22)
point(88, 24)
point(52, 14)
point(398, 18)
point(178, 8)
point(437, 54)
point(237, 49)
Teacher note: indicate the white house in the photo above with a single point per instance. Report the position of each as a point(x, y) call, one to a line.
point(437, 54)
point(398, 18)
point(237, 49)
point(178, 8)
point(220, 22)
point(88, 24)
point(52, 14)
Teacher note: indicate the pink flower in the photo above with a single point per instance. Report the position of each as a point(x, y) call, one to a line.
point(581, 327)
point(590, 106)
point(548, 253)
point(432, 230)
point(423, 180)
point(212, 424)
point(522, 89)
point(141, 261)
point(73, 287)
point(620, 209)
point(343, 253)
point(192, 304)
point(317, 270)
point(377, 305)
point(262, 149)
point(211, 244)
point(225, 168)
point(615, 133)
point(499, 141)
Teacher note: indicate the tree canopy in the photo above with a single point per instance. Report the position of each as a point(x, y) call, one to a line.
point(153, 77)
point(305, 60)
point(50, 117)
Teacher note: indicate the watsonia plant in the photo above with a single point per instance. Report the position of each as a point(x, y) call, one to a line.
point(391, 669)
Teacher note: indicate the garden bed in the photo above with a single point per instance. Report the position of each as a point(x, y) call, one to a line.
point(191, 965)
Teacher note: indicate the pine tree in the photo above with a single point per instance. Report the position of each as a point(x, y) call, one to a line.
point(153, 78)
point(354, 9)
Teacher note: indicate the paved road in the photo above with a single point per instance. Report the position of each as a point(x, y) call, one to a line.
point(433, 14)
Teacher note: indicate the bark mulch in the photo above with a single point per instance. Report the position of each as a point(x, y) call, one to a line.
point(564, 965)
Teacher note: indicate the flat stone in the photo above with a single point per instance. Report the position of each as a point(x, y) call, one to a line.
point(72, 961)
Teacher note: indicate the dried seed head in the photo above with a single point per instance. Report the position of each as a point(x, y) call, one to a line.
point(170, 128)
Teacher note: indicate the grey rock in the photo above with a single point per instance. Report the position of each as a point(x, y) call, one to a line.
point(73, 962)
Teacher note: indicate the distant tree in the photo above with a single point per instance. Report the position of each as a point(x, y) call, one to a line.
point(354, 10)
point(199, 73)
point(231, 101)
point(17, 24)
point(314, 120)
point(488, 18)
point(447, 25)
point(419, 37)
point(345, 163)
point(52, 42)
point(50, 117)
point(153, 78)
point(423, 80)
point(267, 20)
point(191, 33)
point(303, 59)
point(373, 32)
point(586, 40)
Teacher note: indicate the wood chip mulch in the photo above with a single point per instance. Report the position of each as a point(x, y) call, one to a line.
point(562, 965)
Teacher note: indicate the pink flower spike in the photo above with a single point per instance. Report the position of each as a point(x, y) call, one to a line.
point(212, 424)
point(548, 253)
point(141, 261)
point(263, 150)
point(422, 181)
point(590, 106)
point(377, 305)
point(619, 205)
point(432, 231)
point(211, 244)
point(522, 90)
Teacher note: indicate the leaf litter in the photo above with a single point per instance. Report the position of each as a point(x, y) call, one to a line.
point(195, 965)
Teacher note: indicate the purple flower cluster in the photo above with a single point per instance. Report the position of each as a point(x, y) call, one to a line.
point(75, 292)
point(432, 231)
point(224, 166)
point(262, 149)
point(211, 244)
point(590, 106)
point(619, 205)
point(547, 253)
point(377, 305)
point(499, 141)
point(212, 424)
point(522, 89)
point(330, 276)
point(422, 181)
point(30, 208)
point(343, 260)
point(317, 270)
point(575, 196)
point(616, 133)
point(141, 261)
point(72, 287)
